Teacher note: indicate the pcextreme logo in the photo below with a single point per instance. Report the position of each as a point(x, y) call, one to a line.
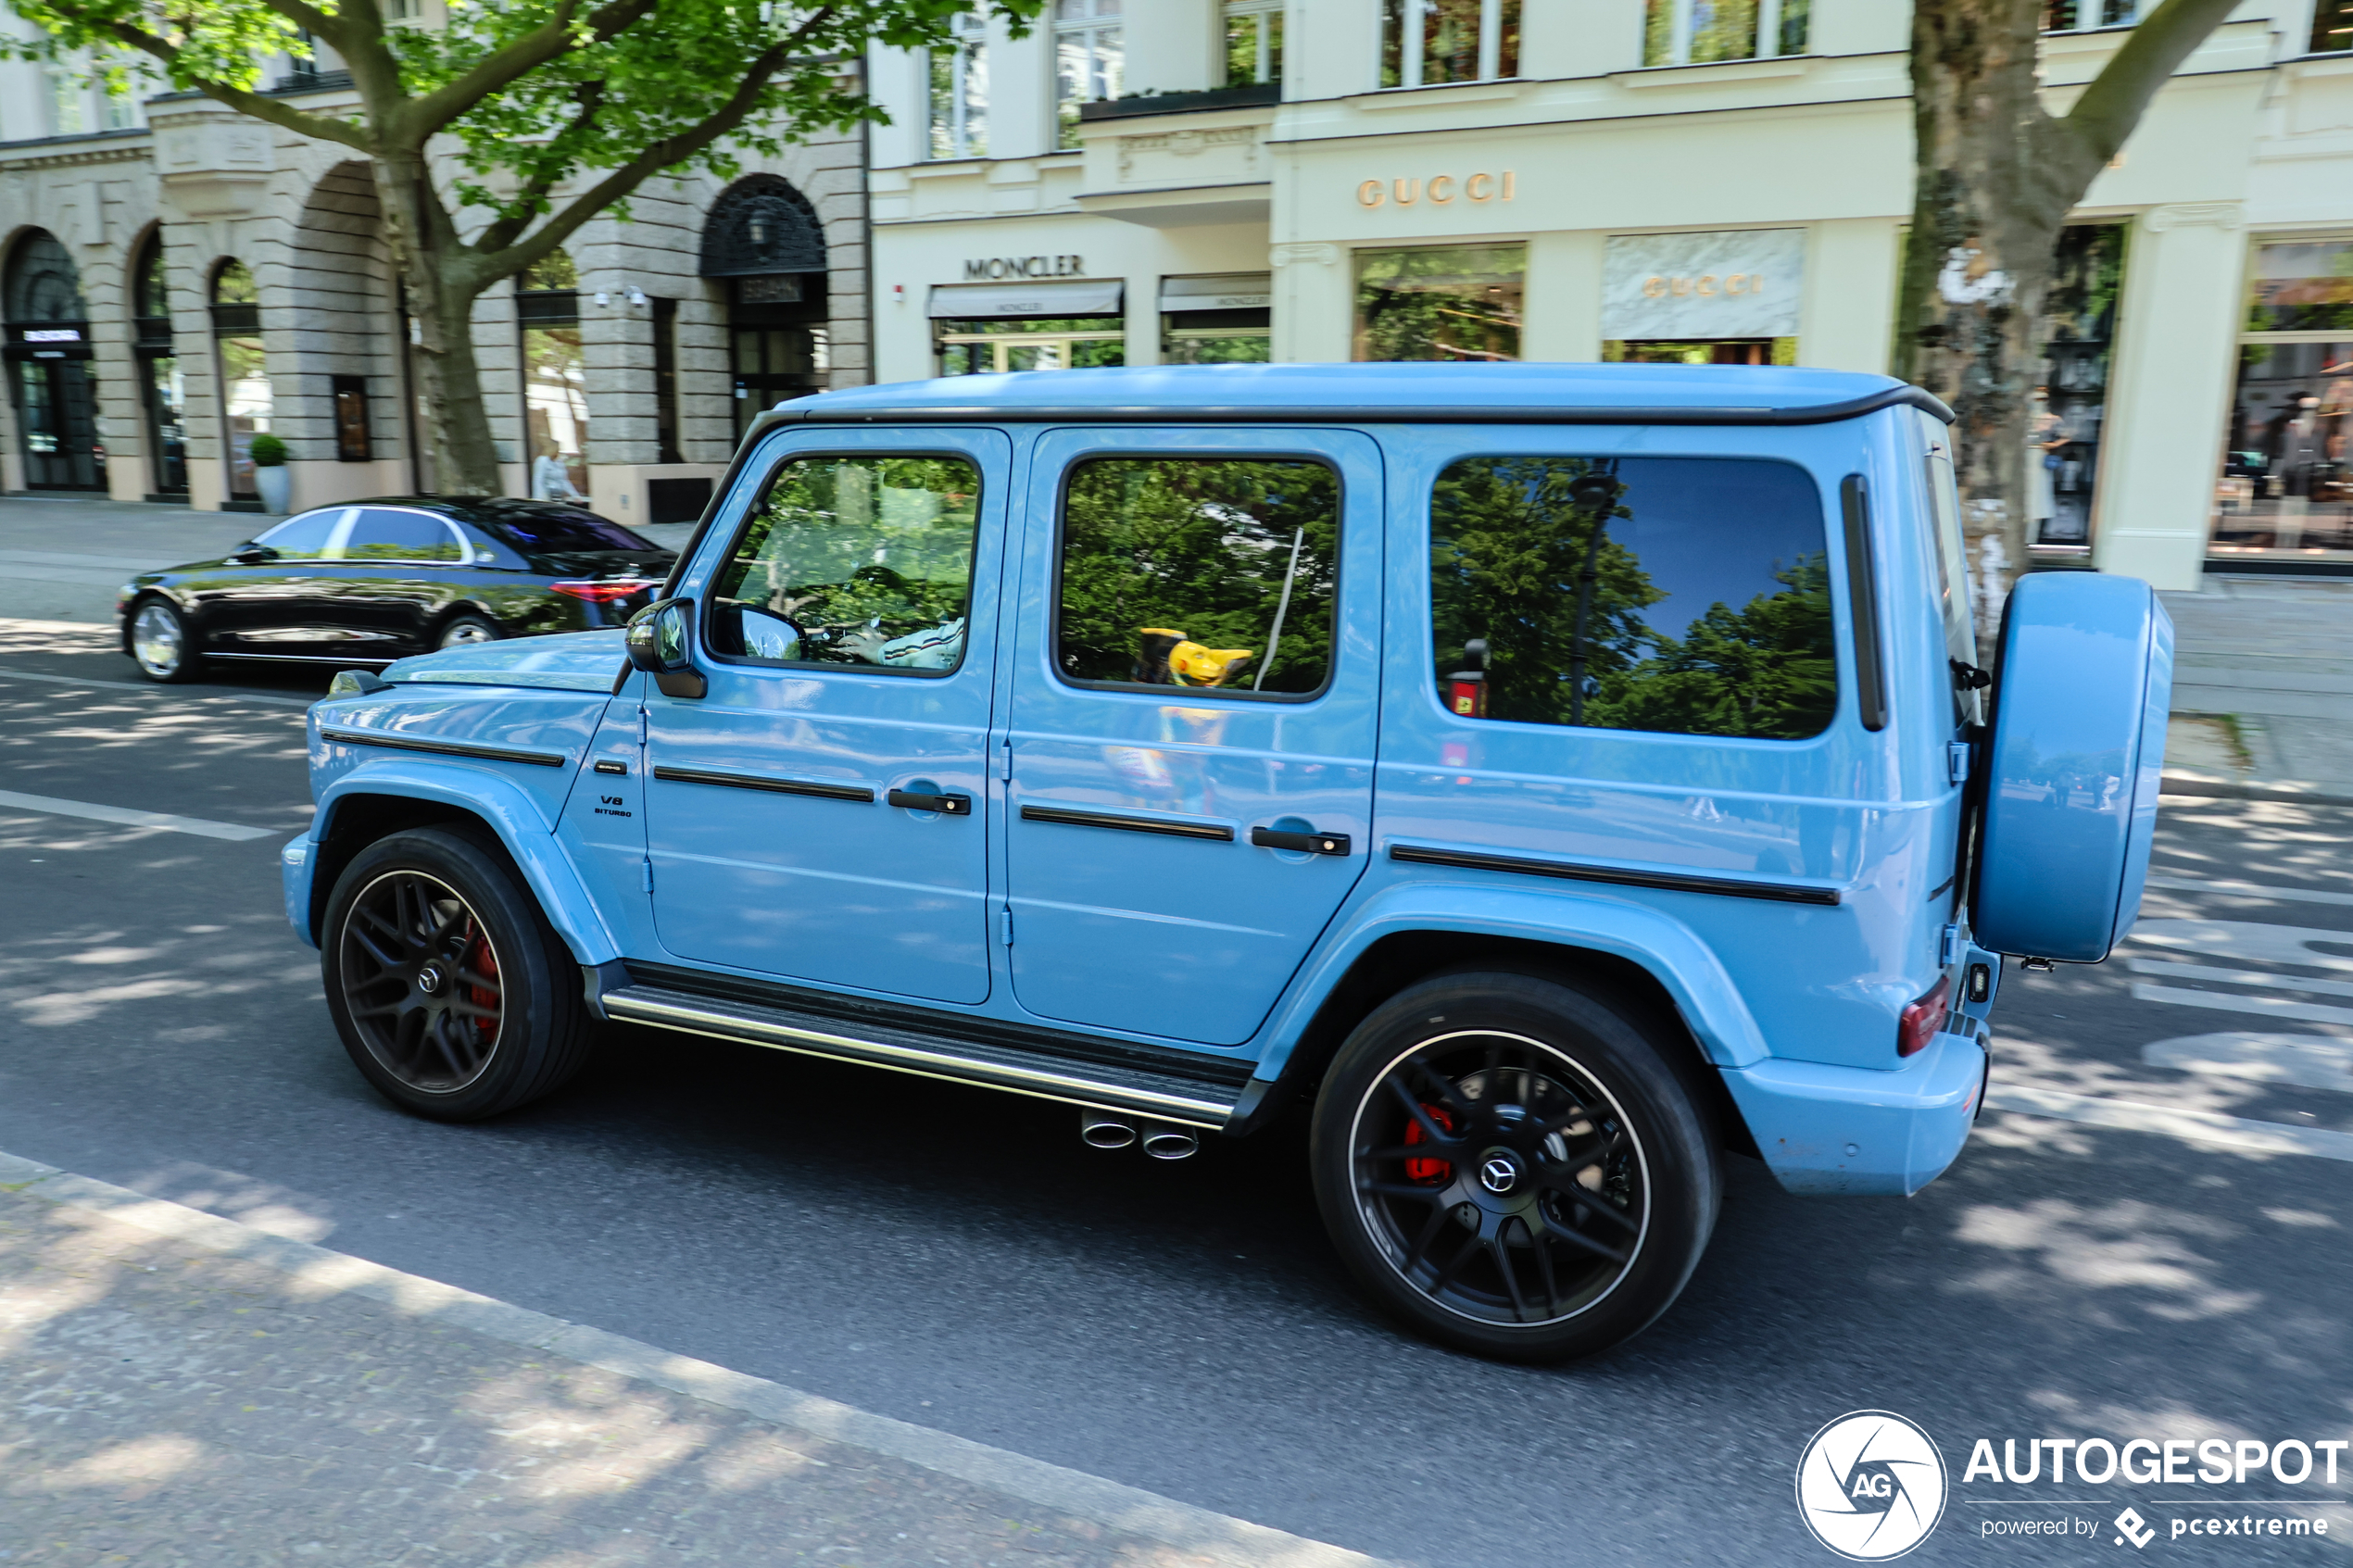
point(1871, 1485)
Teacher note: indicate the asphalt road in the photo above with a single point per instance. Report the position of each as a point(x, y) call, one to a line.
point(958, 1259)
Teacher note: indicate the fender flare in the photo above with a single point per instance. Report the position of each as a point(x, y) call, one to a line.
point(503, 806)
point(1671, 951)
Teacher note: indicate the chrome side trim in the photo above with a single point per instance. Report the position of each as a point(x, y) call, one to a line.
point(445, 747)
point(858, 792)
point(1064, 1084)
point(308, 658)
point(1673, 881)
point(1126, 824)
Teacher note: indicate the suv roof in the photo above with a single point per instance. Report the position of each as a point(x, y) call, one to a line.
point(1580, 393)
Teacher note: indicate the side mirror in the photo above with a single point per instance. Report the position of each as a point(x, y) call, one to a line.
point(251, 553)
point(660, 642)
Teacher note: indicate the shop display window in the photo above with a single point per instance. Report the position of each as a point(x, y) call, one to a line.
point(2285, 491)
point(247, 399)
point(2069, 398)
point(1090, 60)
point(1023, 343)
point(1221, 320)
point(1432, 43)
point(1459, 303)
point(555, 380)
point(1700, 351)
point(1253, 42)
point(1697, 32)
point(959, 94)
point(2332, 26)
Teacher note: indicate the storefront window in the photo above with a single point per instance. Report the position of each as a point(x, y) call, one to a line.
point(555, 380)
point(1253, 42)
point(1044, 343)
point(1443, 302)
point(2078, 333)
point(1700, 351)
point(1694, 32)
point(2285, 492)
point(162, 387)
point(1090, 60)
point(1224, 320)
point(246, 399)
point(2332, 26)
point(960, 94)
point(1431, 43)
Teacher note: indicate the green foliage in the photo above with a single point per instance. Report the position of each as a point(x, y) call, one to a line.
point(1766, 672)
point(1201, 547)
point(1453, 303)
point(267, 451)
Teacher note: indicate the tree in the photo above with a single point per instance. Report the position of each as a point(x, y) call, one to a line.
point(1997, 178)
point(472, 128)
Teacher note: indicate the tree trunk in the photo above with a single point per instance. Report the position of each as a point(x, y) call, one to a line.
point(1979, 261)
point(441, 285)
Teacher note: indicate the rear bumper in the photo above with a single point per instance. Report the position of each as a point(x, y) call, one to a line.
point(296, 863)
point(1858, 1131)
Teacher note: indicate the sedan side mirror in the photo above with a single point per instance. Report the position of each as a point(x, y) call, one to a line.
point(660, 642)
point(251, 553)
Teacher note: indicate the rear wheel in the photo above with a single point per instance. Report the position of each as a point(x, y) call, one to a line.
point(453, 995)
point(464, 632)
point(159, 643)
point(1513, 1166)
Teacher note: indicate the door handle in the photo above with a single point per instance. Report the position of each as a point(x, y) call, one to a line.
point(1312, 843)
point(946, 805)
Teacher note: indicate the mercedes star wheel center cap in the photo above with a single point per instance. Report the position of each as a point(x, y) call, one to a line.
point(1499, 1176)
point(429, 980)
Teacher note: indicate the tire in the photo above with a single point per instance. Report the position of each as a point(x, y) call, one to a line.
point(465, 630)
point(1574, 1208)
point(159, 644)
point(453, 995)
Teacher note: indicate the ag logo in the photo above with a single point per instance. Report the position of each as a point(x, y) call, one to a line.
point(1871, 1485)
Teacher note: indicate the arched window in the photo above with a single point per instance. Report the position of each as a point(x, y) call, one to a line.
point(762, 237)
point(49, 371)
point(247, 398)
point(555, 379)
point(162, 385)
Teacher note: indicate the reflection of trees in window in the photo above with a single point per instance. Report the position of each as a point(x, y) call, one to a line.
point(1542, 559)
point(1456, 303)
point(854, 560)
point(1200, 572)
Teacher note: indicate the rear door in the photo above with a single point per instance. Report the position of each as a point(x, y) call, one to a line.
point(395, 581)
point(1195, 691)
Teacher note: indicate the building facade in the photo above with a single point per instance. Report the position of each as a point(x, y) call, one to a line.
point(178, 280)
point(1687, 180)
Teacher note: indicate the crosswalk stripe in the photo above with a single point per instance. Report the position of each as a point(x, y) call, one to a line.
point(2249, 890)
point(2240, 977)
point(163, 821)
point(2269, 1007)
point(2196, 1127)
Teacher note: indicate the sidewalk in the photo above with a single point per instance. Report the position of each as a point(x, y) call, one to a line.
point(2263, 689)
point(176, 1388)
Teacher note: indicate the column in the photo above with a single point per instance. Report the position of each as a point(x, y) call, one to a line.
point(1311, 309)
point(1563, 308)
point(1847, 316)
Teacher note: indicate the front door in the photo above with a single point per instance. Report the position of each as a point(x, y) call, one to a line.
point(817, 813)
point(58, 415)
point(1194, 692)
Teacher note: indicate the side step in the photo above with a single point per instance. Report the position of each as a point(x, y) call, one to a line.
point(1200, 1102)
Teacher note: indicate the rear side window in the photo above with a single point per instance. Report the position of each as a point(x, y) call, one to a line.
point(1681, 595)
point(1951, 555)
point(563, 530)
point(388, 536)
point(305, 537)
point(853, 560)
point(1215, 572)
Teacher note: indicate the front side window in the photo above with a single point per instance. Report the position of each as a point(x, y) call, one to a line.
point(1216, 572)
point(1681, 595)
point(1697, 33)
point(1433, 43)
point(1090, 60)
point(958, 92)
point(305, 537)
point(853, 560)
point(1456, 303)
point(1253, 42)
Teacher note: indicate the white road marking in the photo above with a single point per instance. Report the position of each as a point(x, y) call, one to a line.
point(2251, 941)
point(1197, 1533)
point(2195, 1126)
point(121, 566)
point(2309, 1062)
point(148, 688)
point(162, 821)
point(2239, 976)
point(2249, 890)
point(2223, 1001)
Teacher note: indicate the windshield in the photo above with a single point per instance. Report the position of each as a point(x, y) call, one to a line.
point(562, 530)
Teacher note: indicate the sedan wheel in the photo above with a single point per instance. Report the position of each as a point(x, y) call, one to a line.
point(466, 630)
point(159, 643)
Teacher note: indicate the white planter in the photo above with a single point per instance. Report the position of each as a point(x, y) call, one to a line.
point(276, 486)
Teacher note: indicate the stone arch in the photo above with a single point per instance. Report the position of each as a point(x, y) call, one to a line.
point(761, 225)
point(41, 282)
point(344, 405)
point(159, 377)
point(48, 363)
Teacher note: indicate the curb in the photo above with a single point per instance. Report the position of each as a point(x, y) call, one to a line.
point(1218, 1537)
point(2231, 789)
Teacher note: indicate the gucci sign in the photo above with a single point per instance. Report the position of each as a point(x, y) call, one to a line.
point(1707, 285)
point(1439, 190)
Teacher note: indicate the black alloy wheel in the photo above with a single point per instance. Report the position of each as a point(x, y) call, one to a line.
point(1509, 1164)
point(452, 995)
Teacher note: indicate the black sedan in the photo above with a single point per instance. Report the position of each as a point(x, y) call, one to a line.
point(369, 581)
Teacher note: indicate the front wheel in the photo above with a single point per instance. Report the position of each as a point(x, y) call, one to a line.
point(159, 642)
point(1513, 1166)
point(453, 995)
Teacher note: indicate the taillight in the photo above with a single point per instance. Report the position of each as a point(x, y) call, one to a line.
point(1924, 1019)
point(603, 593)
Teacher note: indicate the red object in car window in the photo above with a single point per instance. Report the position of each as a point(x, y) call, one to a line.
point(1924, 1018)
point(602, 593)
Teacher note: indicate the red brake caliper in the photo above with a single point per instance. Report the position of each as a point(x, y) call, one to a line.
point(1433, 1172)
point(481, 961)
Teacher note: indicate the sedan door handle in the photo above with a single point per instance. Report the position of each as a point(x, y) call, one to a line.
point(946, 805)
point(1312, 843)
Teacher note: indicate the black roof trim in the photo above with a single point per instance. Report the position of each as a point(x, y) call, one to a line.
point(814, 410)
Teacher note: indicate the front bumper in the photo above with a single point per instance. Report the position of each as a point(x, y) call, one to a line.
point(1859, 1131)
point(295, 863)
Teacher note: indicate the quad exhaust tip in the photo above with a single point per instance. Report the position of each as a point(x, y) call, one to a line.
point(1170, 1143)
point(1161, 1141)
point(1098, 1131)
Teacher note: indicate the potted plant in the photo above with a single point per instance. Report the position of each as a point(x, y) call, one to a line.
point(270, 475)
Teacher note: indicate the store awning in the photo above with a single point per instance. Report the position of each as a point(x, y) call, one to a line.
point(1067, 296)
point(1231, 291)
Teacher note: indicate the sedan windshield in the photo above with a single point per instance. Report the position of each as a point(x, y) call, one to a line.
point(549, 531)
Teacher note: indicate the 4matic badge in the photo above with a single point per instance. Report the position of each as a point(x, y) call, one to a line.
point(1871, 1485)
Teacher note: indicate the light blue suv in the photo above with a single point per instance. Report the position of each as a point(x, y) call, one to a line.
point(1551, 777)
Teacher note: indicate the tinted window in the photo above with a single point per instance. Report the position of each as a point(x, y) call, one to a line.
point(556, 529)
point(1952, 556)
point(304, 537)
point(387, 535)
point(1687, 596)
point(864, 561)
point(1199, 572)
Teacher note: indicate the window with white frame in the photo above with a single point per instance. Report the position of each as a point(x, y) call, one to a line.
point(1090, 60)
point(1431, 43)
point(2077, 16)
point(1253, 42)
point(1697, 33)
point(959, 93)
point(69, 101)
